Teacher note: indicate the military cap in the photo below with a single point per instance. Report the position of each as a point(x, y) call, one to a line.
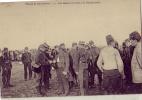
point(74, 43)
point(5, 49)
point(43, 47)
point(81, 42)
point(26, 48)
point(135, 36)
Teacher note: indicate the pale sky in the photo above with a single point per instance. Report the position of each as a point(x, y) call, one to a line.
point(24, 25)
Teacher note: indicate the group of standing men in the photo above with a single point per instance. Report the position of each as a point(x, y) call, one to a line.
point(71, 65)
point(79, 65)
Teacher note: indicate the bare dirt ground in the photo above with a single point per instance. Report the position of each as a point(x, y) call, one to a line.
point(24, 88)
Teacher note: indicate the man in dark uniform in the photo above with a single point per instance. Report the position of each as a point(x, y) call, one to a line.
point(127, 62)
point(93, 54)
point(43, 62)
point(27, 60)
point(6, 68)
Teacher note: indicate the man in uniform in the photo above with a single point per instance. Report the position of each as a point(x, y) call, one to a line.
point(75, 62)
point(6, 68)
point(82, 67)
point(93, 54)
point(63, 69)
point(44, 68)
point(136, 63)
point(27, 60)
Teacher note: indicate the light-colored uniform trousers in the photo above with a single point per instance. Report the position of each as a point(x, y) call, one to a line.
point(62, 79)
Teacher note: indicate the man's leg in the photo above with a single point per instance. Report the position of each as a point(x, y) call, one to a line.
point(4, 77)
point(65, 84)
point(25, 71)
point(106, 83)
point(30, 70)
point(60, 83)
point(81, 79)
point(85, 81)
point(9, 77)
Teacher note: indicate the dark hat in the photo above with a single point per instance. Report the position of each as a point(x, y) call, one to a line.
point(135, 36)
point(109, 39)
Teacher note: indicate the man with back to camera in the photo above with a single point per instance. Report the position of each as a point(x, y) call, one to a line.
point(111, 65)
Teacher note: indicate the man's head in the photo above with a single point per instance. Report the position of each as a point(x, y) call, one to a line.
point(91, 43)
point(87, 47)
point(74, 45)
point(81, 44)
point(43, 47)
point(62, 46)
point(110, 40)
point(26, 49)
point(134, 38)
point(56, 48)
point(5, 50)
point(127, 42)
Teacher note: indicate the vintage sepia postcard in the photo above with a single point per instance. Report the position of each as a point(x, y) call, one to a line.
point(79, 49)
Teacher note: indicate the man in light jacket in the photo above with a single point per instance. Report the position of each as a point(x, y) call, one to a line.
point(136, 63)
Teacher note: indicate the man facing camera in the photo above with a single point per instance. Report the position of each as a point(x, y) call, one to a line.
point(27, 60)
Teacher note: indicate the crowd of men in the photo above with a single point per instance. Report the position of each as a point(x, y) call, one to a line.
point(82, 65)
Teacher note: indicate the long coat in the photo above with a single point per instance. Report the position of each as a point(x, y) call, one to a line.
point(136, 64)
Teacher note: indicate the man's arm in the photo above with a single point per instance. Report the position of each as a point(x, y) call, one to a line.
point(100, 62)
point(139, 55)
point(119, 62)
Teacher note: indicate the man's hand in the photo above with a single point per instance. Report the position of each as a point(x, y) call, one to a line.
point(65, 73)
point(76, 73)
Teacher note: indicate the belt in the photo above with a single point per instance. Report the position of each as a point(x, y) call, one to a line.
point(109, 69)
point(83, 61)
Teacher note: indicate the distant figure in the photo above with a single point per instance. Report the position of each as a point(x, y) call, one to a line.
point(111, 65)
point(27, 60)
point(136, 63)
point(6, 68)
